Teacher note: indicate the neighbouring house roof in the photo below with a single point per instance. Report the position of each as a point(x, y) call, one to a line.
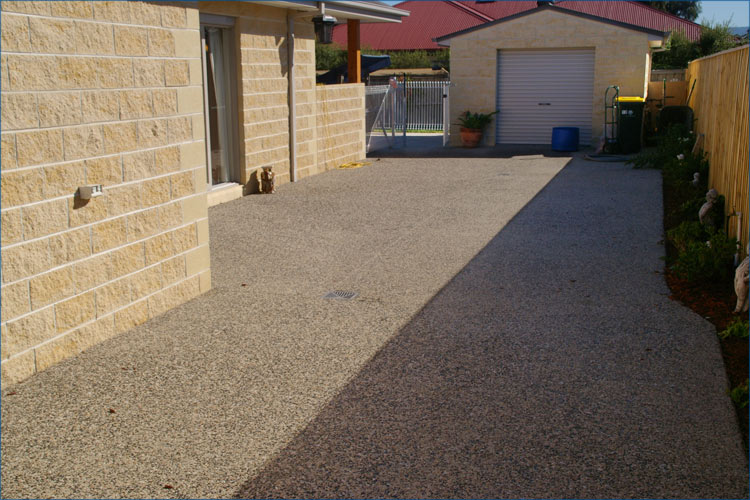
point(636, 14)
point(657, 37)
point(434, 19)
point(740, 34)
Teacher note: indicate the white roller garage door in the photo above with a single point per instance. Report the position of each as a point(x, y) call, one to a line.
point(541, 89)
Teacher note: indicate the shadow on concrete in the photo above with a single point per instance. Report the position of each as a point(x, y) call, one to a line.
point(552, 365)
point(431, 146)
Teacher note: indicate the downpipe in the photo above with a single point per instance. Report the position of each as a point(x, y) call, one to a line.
point(291, 94)
point(737, 254)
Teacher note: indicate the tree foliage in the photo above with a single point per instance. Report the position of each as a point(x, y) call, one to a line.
point(685, 10)
point(403, 59)
point(329, 56)
point(714, 38)
point(332, 56)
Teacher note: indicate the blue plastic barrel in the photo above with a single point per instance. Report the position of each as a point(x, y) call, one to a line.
point(565, 139)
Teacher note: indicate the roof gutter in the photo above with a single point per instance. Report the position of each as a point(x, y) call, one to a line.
point(367, 11)
point(372, 12)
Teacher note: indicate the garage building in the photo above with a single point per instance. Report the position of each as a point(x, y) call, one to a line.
point(546, 67)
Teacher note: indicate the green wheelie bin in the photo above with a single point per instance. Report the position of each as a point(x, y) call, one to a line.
point(630, 129)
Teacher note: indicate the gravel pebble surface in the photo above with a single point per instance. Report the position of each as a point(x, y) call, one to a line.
point(512, 337)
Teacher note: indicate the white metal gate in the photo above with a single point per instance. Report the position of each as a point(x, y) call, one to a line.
point(401, 107)
point(385, 107)
point(424, 104)
point(541, 89)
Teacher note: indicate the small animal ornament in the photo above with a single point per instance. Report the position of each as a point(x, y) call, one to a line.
point(704, 215)
point(741, 286)
point(267, 181)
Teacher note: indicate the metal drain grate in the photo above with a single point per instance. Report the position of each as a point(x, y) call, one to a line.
point(340, 295)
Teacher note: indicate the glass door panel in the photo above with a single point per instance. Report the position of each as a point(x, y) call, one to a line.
point(218, 74)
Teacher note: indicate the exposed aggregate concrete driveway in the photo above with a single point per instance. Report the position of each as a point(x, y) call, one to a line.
point(513, 337)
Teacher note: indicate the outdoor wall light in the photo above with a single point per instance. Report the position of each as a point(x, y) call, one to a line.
point(324, 28)
point(88, 192)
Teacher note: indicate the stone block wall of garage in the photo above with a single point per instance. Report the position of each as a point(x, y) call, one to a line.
point(622, 58)
point(98, 93)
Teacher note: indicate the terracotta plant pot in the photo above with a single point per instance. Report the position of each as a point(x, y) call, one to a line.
point(471, 137)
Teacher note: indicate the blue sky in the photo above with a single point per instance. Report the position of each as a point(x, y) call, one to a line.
point(723, 11)
point(718, 12)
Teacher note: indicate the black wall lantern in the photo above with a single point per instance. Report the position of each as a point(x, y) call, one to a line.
point(324, 28)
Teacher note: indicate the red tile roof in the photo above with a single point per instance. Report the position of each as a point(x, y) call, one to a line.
point(429, 20)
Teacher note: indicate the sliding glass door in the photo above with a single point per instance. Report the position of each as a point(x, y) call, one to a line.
point(219, 98)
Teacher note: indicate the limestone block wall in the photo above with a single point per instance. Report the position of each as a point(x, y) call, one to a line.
point(324, 117)
point(263, 101)
point(263, 98)
point(621, 58)
point(304, 60)
point(341, 124)
point(98, 93)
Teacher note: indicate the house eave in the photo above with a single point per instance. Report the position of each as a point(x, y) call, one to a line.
point(657, 42)
point(369, 12)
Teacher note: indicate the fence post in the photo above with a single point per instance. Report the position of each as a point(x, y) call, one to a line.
point(406, 107)
point(446, 114)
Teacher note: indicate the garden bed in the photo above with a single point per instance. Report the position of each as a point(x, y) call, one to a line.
point(712, 299)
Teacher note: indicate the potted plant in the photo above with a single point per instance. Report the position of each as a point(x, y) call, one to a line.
point(472, 127)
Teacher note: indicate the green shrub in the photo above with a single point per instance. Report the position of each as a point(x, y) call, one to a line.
point(677, 140)
point(715, 37)
point(682, 166)
point(409, 59)
point(405, 59)
point(738, 329)
point(680, 51)
point(688, 210)
point(707, 261)
point(476, 121)
point(686, 233)
point(329, 56)
point(646, 159)
point(739, 395)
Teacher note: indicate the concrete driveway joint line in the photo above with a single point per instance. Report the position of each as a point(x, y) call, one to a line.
point(511, 337)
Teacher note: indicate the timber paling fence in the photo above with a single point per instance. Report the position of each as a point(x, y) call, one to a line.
point(720, 105)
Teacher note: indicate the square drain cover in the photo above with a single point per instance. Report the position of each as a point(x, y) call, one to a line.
point(340, 294)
